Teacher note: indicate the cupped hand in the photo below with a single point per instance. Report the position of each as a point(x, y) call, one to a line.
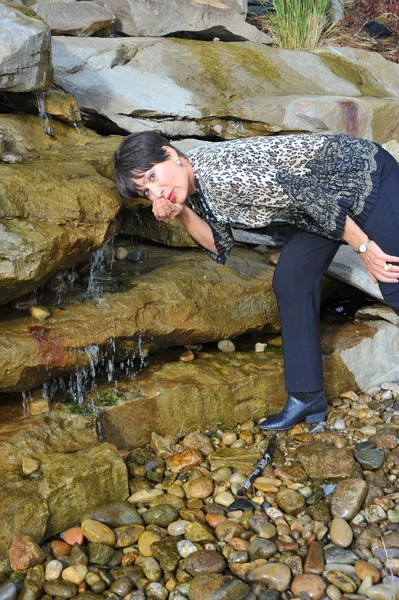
point(375, 260)
point(164, 210)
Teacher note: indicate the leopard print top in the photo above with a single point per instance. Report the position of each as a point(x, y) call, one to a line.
point(313, 181)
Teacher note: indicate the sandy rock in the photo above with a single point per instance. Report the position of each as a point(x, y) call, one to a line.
point(75, 18)
point(321, 461)
point(24, 553)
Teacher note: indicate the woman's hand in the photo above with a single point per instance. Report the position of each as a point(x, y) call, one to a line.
point(378, 264)
point(164, 210)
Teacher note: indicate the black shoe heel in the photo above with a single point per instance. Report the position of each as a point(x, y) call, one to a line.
point(315, 418)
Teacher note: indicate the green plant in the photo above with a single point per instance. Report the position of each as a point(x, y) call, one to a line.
point(299, 23)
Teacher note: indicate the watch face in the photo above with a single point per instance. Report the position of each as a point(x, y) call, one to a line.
point(363, 248)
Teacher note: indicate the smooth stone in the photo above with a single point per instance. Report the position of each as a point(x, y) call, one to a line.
point(52, 570)
point(187, 356)
point(95, 531)
point(127, 535)
point(24, 553)
point(276, 575)
point(177, 527)
point(229, 437)
point(8, 591)
point(184, 460)
point(224, 498)
point(366, 584)
point(336, 554)
point(151, 569)
point(266, 530)
point(121, 586)
point(212, 586)
point(226, 346)
point(200, 488)
point(384, 591)
point(260, 347)
point(115, 514)
point(341, 533)
point(214, 519)
point(314, 562)
point(156, 591)
point(364, 569)
point(59, 548)
point(221, 474)
point(199, 532)
point(73, 535)
point(40, 313)
point(311, 584)
point(100, 554)
point(29, 465)
point(370, 459)
point(167, 554)
point(146, 539)
point(374, 513)
point(261, 548)
point(333, 592)
point(205, 561)
point(242, 504)
point(162, 515)
point(347, 498)
point(347, 569)
point(185, 548)
point(290, 501)
point(61, 589)
point(74, 574)
point(343, 581)
point(121, 253)
point(145, 495)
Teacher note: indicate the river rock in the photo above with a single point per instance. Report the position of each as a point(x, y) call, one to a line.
point(100, 554)
point(340, 532)
point(126, 536)
point(261, 548)
point(337, 554)
point(74, 574)
point(60, 589)
point(198, 441)
point(25, 63)
point(145, 541)
point(347, 498)
point(364, 569)
point(151, 569)
point(161, 515)
point(8, 591)
point(208, 19)
point(322, 461)
point(370, 459)
point(383, 591)
point(342, 581)
point(290, 501)
point(115, 514)
point(122, 586)
point(205, 561)
point(241, 459)
point(95, 531)
point(313, 585)
point(53, 570)
point(212, 586)
point(75, 18)
point(200, 488)
point(314, 562)
point(276, 575)
point(199, 532)
point(184, 460)
point(166, 552)
point(24, 553)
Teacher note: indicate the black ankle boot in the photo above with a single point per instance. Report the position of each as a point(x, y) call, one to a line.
point(295, 411)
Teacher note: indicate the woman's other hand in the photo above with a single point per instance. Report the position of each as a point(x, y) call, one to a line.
point(379, 265)
point(164, 210)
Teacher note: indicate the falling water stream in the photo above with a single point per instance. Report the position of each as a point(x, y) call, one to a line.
point(42, 113)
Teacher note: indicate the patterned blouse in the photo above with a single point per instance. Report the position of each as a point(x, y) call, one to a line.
point(313, 181)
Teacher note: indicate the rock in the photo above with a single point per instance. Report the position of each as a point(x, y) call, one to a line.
point(224, 498)
point(125, 536)
point(260, 347)
point(184, 460)
point(151, 569)
point(314, 562)
point(200, 488)
point(187, 356)
point(374, 513)
point(347, 498)
point(205, 561)
point(343, 582)
point(336, 554)
point(212, 586)
point(364, 569)
point(95, 531)
point(32, 588)
point(61, 589)
point(75, 574)
point(241, 459)
point(348, 267)
point(161, 515)
point(53, 570)
point(340, 532)
point(25, 63)
point(261, 548)
point(290, 501)
point(313, 585)
point(167, 554)
point(199, 532)
point(383, 591)
point(185, 548)
point(145, 541)
point(121, 253)
point(198, 441)
point(100, 554)
point(276, 575)
point(377, 312)
point(24, 553)
point(29, 465)
point(226, 346)
point(178, 527)
point(163, 446)
point(207, 19)
point(8, 591)
point(321, 461)
point(74, 535)
point(115, 514)
point(73, 484)
point(370, 459)
point(40, 313)
point(145, 495)
point(39, 406)
point(75, 18)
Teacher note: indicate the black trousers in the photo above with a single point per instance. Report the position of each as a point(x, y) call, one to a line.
point(304, 260)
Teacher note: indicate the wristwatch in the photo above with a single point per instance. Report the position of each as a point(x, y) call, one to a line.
point(363, 247)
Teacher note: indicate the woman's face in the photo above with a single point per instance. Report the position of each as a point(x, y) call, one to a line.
point(168, 179)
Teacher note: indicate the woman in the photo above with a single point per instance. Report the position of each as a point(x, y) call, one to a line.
point(333, 188)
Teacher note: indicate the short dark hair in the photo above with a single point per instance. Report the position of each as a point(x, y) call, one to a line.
point(137, 153)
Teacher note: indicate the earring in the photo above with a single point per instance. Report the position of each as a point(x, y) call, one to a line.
point(179, 162)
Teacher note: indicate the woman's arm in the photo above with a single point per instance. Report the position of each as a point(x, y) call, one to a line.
point(374, 258)
point(202, 233)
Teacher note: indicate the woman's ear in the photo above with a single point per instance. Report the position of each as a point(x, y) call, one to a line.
point(171, 152)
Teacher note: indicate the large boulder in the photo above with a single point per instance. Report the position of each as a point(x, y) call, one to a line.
point(55, 207)
point(205, 19)
point(75, 18)
point(348, 267)
point(227, 90)
point(25, 51)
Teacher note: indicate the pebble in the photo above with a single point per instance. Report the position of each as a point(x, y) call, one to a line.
point(121, 253)
point(151, 569)
point(205, 561)
point(185, 548)
point(40, 313)
point(225, 498)
point(187, 356)
point(384, 591)
point(289, 500)
point(364, 569)
point(260, 347)
point(8, 591)
point(156, 591)
point(342, 581)
point(145, 540)
point(348, 497)
point(98, 532)
point(340, 425)
point(200, 488)
point(229, 438)
point(177, 527)
point(29, 465)
point(312, 585)
point(341, 533)
point(162, 515)
point(24, 553)
point(72, 536)
point(183, 460)
point(371, 459)
point(74, 574)
point(226, 346)
point(276, 575)
point(60, 589)
point(53, 570)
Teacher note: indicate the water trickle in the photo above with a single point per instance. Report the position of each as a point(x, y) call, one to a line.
point(26, 399)
point(100, 271)
point(42, 113)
